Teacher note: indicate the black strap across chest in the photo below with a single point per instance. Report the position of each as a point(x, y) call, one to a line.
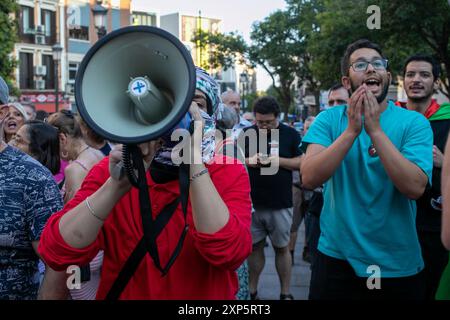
point(152, 228)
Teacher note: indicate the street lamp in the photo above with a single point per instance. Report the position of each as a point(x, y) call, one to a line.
point(243, 79)
point(99, 13)
point(57, 51)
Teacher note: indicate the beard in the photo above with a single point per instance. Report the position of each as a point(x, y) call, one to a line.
point(425, 98)
point(380, 98)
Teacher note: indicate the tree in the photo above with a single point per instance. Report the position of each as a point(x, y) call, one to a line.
point(407, 27)
point(8, 36)
point(278, 46)
point(228, 48)
point(422, 25)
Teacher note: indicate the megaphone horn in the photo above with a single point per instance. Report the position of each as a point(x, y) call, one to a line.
point(135, 84)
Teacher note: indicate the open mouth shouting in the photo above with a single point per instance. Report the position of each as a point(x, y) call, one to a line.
point(11, 125)
point(373, 84)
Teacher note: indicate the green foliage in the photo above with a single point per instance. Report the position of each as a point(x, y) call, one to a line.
point(278, 46)
point(423, 26)
point(228, 48)
point(251, 97)
point(407, 27)
point(304, 44)
point(8, 36)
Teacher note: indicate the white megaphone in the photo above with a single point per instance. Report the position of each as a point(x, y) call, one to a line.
point(135, 85)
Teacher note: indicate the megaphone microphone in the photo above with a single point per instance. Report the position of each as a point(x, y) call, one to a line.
point(150, 104)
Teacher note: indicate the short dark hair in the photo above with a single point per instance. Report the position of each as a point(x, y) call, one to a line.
point(435, 66)
point(335, 87)
point(266, 105)
point(359, 44)
point(44, 144)
point(41, 115)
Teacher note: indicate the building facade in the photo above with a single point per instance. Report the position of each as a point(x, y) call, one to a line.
point(69, 24)
point(79, 34)
point(37, 72)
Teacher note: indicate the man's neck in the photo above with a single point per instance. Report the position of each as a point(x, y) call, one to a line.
point(419, 106)
point(383, 104)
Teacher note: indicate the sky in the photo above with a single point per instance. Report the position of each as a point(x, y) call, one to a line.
point(236, 15)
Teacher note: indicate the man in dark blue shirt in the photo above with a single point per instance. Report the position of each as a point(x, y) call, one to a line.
point(28, 196)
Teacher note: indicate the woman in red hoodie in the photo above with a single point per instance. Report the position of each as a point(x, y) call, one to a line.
point(105, 215)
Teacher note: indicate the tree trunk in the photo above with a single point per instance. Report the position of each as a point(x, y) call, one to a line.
point(285, 104)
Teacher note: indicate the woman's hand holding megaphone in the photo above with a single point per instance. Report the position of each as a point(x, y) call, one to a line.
point(148, 150)
point(197, 135)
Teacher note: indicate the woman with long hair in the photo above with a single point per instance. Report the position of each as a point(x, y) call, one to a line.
point(82, 158)
point(73, 148)
point(39, 140)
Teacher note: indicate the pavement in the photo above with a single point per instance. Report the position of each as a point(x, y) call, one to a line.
point(269, 285)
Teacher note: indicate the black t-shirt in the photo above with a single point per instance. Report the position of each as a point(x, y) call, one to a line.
point(273, 191)
point(428, 213)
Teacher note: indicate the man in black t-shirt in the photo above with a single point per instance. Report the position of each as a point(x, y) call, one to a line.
point(277, 147)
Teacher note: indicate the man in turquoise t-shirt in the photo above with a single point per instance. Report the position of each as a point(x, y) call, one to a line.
point(374, 159)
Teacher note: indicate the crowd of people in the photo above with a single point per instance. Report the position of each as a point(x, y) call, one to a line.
point(368, 176)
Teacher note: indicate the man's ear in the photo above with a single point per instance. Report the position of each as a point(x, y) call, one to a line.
point(62, 138)
point(346, 82)
point(389, 78)
point(437, 84)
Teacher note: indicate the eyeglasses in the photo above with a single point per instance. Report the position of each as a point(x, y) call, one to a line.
point(361, 66)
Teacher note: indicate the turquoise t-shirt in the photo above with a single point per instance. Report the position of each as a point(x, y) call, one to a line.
point(365, 219)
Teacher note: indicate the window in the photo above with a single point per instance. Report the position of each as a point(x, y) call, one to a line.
point(26, 24)
point(25, 70)
point(73, 68)
point(47, 60)
point(48, 20)
point(145, 19)
point(27, 19)
point(80, 33)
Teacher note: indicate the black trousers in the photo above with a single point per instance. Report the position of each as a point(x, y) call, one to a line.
point(312, 231)
point(335, 279)
point(435, 257)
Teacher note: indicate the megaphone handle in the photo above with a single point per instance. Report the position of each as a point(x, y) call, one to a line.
point(118, 172)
